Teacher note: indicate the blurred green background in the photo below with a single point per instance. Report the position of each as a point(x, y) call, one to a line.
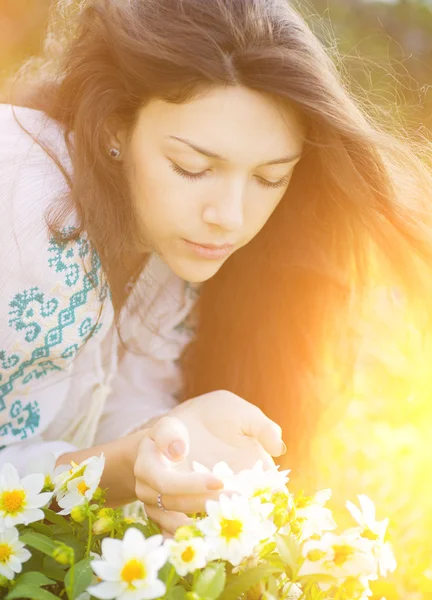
point(380, 443)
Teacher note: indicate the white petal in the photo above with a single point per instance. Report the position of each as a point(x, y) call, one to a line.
point(10, 535)
point(196, 466)
point(133, 544)
point(222, 470)
point(112, 551)
point(33, 514)
point(106, 571)
point(368, 507)
point(157, 558)
point(23, 554)
point(154, 542)
point(9, 478)
point(39, 500)
point(33, 483)
point(6, 571)
point(15, 564)
point(155, 589)
point(322, 496)
point(106, 590)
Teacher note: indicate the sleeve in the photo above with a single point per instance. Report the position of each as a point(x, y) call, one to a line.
point(29, 183)
point(149, 379)
point(23, 453)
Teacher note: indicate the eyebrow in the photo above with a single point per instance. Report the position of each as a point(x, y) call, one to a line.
point(209, 153)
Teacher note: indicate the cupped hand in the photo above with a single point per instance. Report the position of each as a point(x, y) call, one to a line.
point(218, 426)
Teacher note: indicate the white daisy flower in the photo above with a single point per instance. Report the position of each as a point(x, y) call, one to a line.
point(339, 556)
point(78, 485)
point(187, 555)
point(256, 481)
point(129, 567)
point(44, 463)
point(313, 516)
point(234, 527)
point(20, 499)
point(12, 553)
point(373, 530)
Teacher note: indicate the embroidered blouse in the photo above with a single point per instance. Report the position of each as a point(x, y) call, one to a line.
point(64, 382)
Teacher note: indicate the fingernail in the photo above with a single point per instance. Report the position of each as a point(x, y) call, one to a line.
point(283, 447)
point(176, 449)
point(214, 484)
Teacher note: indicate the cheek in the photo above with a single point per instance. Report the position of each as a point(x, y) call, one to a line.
point(260, 211)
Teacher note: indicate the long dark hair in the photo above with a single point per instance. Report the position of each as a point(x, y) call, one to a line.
point(270, 321)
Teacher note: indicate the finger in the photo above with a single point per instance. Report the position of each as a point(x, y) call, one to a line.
point(171, 438)
point(151, 468)
point(169, 521)
point(181, 503)
point(265, 431)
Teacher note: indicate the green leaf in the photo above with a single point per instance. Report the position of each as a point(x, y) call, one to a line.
point(176, 593)
point(289, 549)
point(211, 581)
point(272, 586)
point(33, 578)
point(41, 528)
point(39, 542)
point(241, 583)
point(82, 577)
point(58, 520)
point(30, 591)
point(52, 569)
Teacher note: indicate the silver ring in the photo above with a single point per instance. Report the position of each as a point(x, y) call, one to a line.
point(159, 503)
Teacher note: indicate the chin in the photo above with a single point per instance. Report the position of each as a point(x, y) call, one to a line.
point(194, 271)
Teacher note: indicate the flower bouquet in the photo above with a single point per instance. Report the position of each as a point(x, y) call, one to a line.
point(257, 541)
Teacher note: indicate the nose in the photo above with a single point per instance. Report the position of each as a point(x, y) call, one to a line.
point(227, 210)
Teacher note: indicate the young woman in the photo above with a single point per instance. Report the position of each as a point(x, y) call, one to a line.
point(188, 208)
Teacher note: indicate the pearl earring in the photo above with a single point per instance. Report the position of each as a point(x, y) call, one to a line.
point(114, 152)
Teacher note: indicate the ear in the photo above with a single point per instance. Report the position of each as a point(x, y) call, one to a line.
point(114, 133)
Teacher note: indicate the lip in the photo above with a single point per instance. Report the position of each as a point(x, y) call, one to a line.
point(210, 250)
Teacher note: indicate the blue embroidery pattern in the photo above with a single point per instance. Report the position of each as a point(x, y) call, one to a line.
point(31, 311)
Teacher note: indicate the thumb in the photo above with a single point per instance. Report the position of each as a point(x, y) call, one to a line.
point(171, 438)
point(265, 431)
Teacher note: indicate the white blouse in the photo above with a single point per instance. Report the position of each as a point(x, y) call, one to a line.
point(65, 380)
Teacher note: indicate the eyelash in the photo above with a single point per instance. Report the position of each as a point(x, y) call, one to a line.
point(196, 176)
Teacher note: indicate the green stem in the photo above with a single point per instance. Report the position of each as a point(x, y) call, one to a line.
point(169, 579)
point(89, 538)
point(70, 588)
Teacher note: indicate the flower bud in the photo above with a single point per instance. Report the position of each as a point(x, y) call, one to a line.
point(99, 495)
point(64, 555)
point(105, 512)
point(192, 596)
point(4, 582)
point(186, 532)
point(280, 517)
point(79, 513)
point(103, 525)
point(295, 527)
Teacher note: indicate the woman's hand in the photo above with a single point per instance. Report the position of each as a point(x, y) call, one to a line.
point(218, 426)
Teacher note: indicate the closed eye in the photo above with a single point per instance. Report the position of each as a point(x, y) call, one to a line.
point(196, 176)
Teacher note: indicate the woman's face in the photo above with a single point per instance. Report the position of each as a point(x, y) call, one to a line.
point(209, 173)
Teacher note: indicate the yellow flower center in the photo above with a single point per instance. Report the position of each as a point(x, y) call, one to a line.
point(314, 555)
point(369, 534)
point(188, 554)
point(231, 528)
point(82, 487)
point(134, 569)
point(5, 552)
point(13, 502)
point(342, 554)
